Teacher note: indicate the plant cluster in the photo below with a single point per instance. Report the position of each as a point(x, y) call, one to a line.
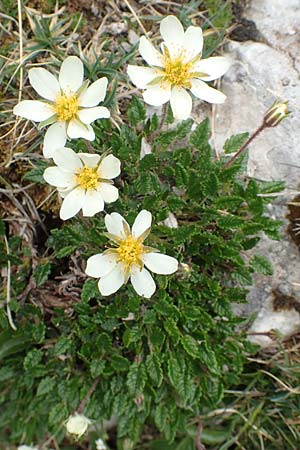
point(155, 358)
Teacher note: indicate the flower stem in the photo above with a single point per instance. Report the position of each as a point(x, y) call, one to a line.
point(245, 145)
point(87, 397)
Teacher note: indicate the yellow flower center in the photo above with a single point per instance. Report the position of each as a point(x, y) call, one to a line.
point(88, 178)
point(176, 71)
point(66, 107)
point(130, 250)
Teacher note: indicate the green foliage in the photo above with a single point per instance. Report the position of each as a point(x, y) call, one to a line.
point(159, 361)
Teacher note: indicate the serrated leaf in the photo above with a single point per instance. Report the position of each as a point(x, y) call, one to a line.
point(46, 385)
point(136, 111)
point(62, 345)
point(97, 367)
point(41, 273)
point(190, 345)
point(66, 251)
point(32, 359)
point(262, 265)
point(234, 143)
point(89, 290)
point(161, 417)
point(172, 329)
point(58, 414)
point(119, 363)
point(200, 136)
point(136, 378)
point(154, 369)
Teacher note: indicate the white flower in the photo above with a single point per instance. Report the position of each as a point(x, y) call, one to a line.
point(83, 180)
point(127, 260)
point(70, 104)
point(177, 68)
point(27, 447)
point(100, 444)
point(77, 424)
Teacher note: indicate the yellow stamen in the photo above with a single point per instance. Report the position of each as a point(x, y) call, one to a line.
point(66, 107)
point(130, 250)
point(176, 71)
point(88, 178)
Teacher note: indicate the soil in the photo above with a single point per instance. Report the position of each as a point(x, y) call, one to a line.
point(245, 30)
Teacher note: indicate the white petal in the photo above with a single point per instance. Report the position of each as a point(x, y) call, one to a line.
point(149, 53)
point(110, 167)
point(141, 76)
point(181, 103)
point(100, 265)
point(205, 92)
point(57, 177)
point(93, 203)
point(94, 94)
point(159, 263)
point(71, 74)
point(143, 283)
point(88, 159)
point(157, 95)
point(113, 281)
point(77, 129)
point(44, 83)
point(72, 203)
point(114, 224)
point(142, 223)
point(193, 42)
point(34, 110)
point(67, 159)
point(108, 192)
point(55, 137)
point(88, 115)
point(214, 67)
point(171, 30)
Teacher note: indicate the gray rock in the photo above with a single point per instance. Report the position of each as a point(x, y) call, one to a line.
point(260, 74)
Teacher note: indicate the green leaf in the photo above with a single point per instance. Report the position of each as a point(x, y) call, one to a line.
point(46, 385)
point(58, 414)
point(97, 367)
point(234, 143)
point(41, 273)
point(89, 290)
point(200, 136)
point(62, 345)
point(66, 251)
point(154, 370)
point(13, 342)
point(36, 175)
point(176, 369)
point(190, 345)
point(32, 359)
point(172, 329)
point(161, 417)
point(136, 111)
point(119, 363)
point(2, 228)
point(136, 378)
point(262, 265)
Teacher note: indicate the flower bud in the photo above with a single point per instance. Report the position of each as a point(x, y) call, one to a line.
point(77, 424)
point(100, 444)
point(276, 114)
